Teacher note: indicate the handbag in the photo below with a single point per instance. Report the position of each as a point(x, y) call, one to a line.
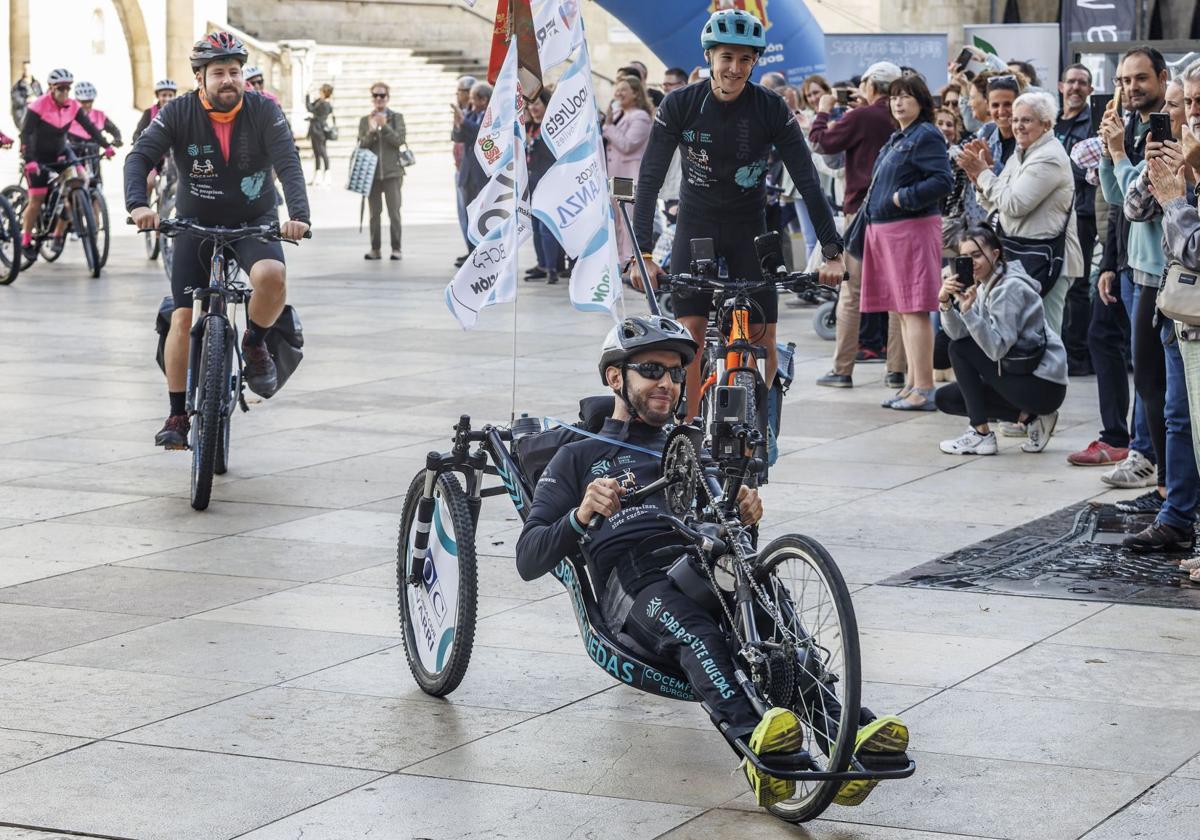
point(1179, 295)
point(330, 129)
point(363, 163)
point(407, 158)
point(1042, 259)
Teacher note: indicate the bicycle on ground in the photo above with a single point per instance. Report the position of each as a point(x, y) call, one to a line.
point(70, 197)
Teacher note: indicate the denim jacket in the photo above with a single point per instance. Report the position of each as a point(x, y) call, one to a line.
point(913, 164)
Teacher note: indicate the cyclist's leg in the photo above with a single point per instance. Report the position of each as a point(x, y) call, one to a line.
point(39, 186)
point(189, 273)
point(264, 263)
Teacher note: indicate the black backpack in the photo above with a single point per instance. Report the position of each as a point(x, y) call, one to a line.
point(534, 452)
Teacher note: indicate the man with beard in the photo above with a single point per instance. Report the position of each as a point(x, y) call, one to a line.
point(643, 361)
point(225, 145)
point(1074, 125)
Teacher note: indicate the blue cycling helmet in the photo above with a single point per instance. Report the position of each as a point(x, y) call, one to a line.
point(733, 26)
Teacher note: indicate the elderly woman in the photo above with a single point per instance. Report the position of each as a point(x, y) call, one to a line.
point(1007, 364)
point(1167, 176)
point(1034, 194)
point(902, 251)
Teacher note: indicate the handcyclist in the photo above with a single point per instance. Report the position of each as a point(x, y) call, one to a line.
point(225, 145)
point(164, 92)
point(643, 361)
point(724, 128)
point(43, 140)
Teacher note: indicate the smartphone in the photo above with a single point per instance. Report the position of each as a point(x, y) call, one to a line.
point(964, 267)
point(968, 64)
point(704, 256)
point(622, 189)
point(843, 97)
point(1099, 103)
point(937, 101)
point(769, 248)
point(1160, 127)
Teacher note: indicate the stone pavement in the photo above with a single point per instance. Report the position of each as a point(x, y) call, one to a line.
point(237, 673)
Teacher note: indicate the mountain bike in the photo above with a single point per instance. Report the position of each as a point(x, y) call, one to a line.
point(214, 378)
point(91, 154)
point(785, 607)
point(10, 242)
point(69, 197)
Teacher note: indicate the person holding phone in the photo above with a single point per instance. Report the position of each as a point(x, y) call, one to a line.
point(1008, 365)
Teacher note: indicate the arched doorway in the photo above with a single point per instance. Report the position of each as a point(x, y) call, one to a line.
point(138, 40)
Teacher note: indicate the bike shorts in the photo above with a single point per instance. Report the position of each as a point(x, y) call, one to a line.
point(735, 242)
point(193, 253)
point(39, 183)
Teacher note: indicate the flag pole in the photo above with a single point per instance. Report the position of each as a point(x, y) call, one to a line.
point(651, 298)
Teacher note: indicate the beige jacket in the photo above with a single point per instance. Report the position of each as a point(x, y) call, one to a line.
point(1035, 196)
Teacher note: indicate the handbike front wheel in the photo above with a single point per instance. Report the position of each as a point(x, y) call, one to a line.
point(820, 628)
point(437, 611)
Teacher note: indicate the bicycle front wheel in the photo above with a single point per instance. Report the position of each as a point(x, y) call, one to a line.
point(437, 611)
point(209, 416)
point(103, 233)
point(823, 676)
point(10, 243)
point(84, 222)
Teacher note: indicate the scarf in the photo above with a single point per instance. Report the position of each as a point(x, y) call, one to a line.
point(220, 117)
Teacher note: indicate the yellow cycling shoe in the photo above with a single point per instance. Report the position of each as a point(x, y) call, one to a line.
point(778, 732)
point(886, 734)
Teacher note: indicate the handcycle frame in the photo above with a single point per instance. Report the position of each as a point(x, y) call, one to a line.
point(636, 669)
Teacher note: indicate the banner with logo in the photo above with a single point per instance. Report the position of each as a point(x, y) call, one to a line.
point(595, 280)
point(488, 277)
point(495, 202)
point(496, 130)
point(572, 198)
point(559, 29)
point(571, 113)
point(1096, 21)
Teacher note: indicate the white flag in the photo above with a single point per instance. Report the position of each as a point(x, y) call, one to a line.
point(488, 276)
point(496, 130)
point(571, 114)
point(595, 279)
point(572, 197)
point(494, 204)
point(559, 29)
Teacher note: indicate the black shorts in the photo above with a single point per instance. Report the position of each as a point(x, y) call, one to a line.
point(191, 259)
point(39, 182)
point(735, 242)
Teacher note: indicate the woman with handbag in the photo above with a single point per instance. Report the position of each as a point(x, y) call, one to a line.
point(1008, 365)
point(902, 242)
point(382, 132)
point(1033, 199)
point(320, 131)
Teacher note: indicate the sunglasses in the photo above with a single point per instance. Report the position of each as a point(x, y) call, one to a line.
point(62, 88)
point(654, 371)
point(1002, 82)
point(379, 96)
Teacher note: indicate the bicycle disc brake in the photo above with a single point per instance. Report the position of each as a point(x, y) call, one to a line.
point(681, 465)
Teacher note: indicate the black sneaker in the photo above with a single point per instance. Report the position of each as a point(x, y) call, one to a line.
point(259, 369)
point(835, 380)
point(894, 379)
point(551, 278)
point(1161, 537)
point(1148, 502)
point(174, 434)
point(535, 273)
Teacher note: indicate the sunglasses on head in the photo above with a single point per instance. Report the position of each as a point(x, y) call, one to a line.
point(1002, 82)
point(654, 371)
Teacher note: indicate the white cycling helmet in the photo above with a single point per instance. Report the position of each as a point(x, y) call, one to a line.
point(165, 84)
point(85, 91)
point(60, 76)
point(251, 72)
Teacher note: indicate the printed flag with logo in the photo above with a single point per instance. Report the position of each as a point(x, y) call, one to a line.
point(595, 280)
point(571, 113)
point(496, 130)
point(489, 276)
point(495, 202)
point(559, 29)
point(572, 197)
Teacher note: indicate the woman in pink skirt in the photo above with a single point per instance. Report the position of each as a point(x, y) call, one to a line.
point(902, 253)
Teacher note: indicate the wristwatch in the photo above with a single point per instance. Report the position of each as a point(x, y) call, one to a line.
point(831, 250)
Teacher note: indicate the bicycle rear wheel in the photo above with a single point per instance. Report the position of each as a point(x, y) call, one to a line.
point(10, 243)
point(206, 422)
point(825, 675)
point(103, 232)
point(438, 611)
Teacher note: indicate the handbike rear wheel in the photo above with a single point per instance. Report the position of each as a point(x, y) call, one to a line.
point(209, 417)
point(815, 603)
point(437, 612)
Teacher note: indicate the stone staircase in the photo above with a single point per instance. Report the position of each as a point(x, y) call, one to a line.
point(422, 84)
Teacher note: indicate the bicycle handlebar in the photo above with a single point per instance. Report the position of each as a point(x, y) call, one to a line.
point(795, 281)
point(174, 227)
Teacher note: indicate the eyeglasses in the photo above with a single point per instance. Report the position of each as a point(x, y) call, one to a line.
point(379, 96)
point(654, 371)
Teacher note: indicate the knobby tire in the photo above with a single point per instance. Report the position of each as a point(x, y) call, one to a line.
point(206, 423)
point(10, 243)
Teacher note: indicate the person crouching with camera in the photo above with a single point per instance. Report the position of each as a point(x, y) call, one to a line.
point(1009, 365)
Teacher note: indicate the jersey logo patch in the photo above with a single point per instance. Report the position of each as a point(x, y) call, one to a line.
point(750, 175)
point(252, 185)
point(205, 170)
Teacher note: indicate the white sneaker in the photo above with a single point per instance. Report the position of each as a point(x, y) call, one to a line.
point(1013, 429)
point(971, 443)
point(1039, 432)
point(1134, 471)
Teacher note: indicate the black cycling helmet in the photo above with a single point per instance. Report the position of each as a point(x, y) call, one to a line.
point(215, 46)
point(651, 332)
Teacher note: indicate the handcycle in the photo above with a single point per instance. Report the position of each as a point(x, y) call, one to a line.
point(731, 353)
point(214, 379)
point(70, 196)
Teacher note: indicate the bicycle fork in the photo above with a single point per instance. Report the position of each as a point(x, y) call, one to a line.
point(419, 554)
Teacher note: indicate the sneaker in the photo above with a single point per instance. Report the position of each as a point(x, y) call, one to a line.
point(883, 735)
point(259, 369)
point(836, 380)
point(778, 732)
point(1039, 429)
point(396, 255)
point(971, 443)
point(1013, 430)
point(866, 355)
point(1098, 454)
point(894, 379)
point(1191, 564)
point(1161, 537)
point(1135, 471)
point(535, 273)
point(551, 278)
point(174, 433)
point(371, 255)
point(1149, 502)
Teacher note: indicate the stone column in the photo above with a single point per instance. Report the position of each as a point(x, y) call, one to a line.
point(297, 58)
point(18, 37)
point(180, 35)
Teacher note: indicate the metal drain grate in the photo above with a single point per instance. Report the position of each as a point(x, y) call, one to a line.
point(1072, 553)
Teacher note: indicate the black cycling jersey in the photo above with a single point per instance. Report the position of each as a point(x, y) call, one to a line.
point(44, 131)
point(551, 532)
point(214, 190)
point(723, 148)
